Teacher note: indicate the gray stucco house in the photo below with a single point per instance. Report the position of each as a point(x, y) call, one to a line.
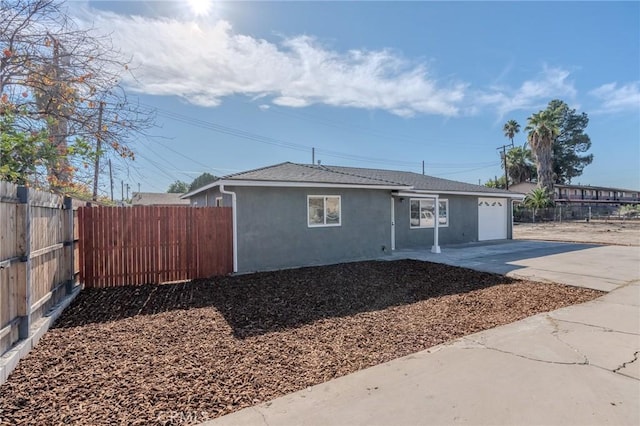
point(291, 215)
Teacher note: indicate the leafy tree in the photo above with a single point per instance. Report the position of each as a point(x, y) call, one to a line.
point(57, 76)
point(520, 165)
point(23, 155)
point(178, 187)
point(542, 128)
point(510, 129)
point(538, 198)
point(201, 181)
point(498, 182)
point(570, 143)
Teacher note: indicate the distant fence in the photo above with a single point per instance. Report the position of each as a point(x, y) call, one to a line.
point(38, 257)
point(153, 244)
point(560, 213)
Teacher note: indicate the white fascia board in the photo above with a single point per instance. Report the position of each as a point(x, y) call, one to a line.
point(431, 194)
point(283, 184)
point(202, 189)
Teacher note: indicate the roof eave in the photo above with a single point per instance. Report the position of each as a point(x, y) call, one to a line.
point(295, 184)
point(475, 193)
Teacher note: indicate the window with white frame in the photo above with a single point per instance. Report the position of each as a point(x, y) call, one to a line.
point(422, 212)
point(323, 210)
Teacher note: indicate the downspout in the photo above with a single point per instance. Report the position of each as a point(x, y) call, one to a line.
point(436, 227)
point(235, 225)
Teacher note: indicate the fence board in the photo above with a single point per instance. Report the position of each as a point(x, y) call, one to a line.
point(36, 262)
point(154, 244)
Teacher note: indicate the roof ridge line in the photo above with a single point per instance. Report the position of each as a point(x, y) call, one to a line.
point(329, 169)
point(253, 170)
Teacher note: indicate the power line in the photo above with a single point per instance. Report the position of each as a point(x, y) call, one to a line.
point(467, 171)
point(299, 147)
point(357, 128)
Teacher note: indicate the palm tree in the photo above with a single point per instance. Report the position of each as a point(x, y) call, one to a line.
point(520, 165)
point(543, 130)
point(510, 129)
point(538, 198)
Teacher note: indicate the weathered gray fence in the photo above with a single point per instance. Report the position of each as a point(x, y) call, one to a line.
point(38, 257)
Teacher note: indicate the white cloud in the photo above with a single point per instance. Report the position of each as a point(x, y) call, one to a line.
point(615, 99)
point(551, 83)
point(203, 63)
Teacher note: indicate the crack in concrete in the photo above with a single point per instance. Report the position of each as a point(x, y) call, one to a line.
point(546, 361)
point(555, 333)
point(624, 364)
point(264, 419)
point(606, 329)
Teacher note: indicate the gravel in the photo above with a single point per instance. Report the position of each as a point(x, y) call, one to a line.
point(184, 353)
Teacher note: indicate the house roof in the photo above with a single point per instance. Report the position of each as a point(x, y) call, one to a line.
point(417, 181)
point(337, 175)
point(157, 199)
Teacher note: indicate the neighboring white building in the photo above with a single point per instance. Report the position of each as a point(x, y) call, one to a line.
point(584, 194)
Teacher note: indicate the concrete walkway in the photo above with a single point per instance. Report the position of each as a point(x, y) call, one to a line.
point(573, 366)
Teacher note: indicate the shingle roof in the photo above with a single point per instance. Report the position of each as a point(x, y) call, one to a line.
point(417, 181)
point(293, 172)
point(306, 173)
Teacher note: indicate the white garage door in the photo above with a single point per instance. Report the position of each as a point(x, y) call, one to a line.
point(492, 219)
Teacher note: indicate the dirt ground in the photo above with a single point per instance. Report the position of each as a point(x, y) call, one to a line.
point(185, 353)
point(625, 233)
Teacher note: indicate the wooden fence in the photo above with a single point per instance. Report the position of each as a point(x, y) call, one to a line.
point(38, 257)
point(153, 244)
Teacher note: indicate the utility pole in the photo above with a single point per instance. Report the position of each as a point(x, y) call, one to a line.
point(313, 156)
point(111, 178)
point(503, 154)
point(96, 172)
point(128, 191)
point(122, 190)
point(423, 167)
point(138, 187)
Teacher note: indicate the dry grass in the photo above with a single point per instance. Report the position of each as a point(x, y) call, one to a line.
point(612, 232)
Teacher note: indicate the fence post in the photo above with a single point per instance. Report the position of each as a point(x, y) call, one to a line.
point(69, 242)
point(24, 305)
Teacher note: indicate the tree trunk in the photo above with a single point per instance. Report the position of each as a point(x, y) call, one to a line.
point(544, 165)
point(60, 169)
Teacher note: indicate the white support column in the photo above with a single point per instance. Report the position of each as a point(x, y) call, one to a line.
point(393, 224)
point(436, 226)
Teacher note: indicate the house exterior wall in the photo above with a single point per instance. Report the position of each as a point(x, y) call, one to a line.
point(208, 198)
point(463, 223)
point(273, 232)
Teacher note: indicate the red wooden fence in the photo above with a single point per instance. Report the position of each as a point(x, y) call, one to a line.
point(153, 244)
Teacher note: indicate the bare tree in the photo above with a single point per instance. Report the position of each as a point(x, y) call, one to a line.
point(58, 76)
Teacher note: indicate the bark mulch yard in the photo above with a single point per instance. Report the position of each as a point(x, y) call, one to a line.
point(184, 353)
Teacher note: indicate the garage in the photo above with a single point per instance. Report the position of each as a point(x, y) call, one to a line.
point(492, 219)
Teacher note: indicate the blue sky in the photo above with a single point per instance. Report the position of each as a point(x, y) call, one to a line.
point(240, 85)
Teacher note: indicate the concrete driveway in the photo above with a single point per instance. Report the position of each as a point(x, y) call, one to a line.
point(574, 366)
point(585, 265)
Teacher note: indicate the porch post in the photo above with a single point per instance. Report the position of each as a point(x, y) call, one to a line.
point(393, 224)
point(436, 226)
